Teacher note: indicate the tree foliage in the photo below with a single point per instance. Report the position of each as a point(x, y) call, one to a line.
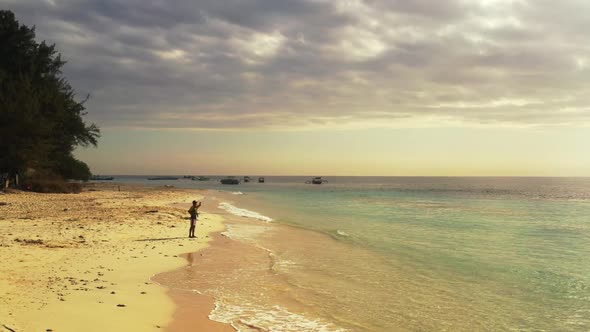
point(40, 120)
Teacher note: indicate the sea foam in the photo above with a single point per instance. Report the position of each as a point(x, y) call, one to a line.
point(243, 212)
point(342, 233)
point(248, 317)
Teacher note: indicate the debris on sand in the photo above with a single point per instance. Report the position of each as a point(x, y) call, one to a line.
point(29, 241)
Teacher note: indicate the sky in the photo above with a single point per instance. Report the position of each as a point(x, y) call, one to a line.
point(327, 87)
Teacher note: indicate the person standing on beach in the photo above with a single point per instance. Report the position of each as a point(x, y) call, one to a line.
point(194, 214)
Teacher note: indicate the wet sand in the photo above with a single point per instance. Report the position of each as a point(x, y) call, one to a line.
point(191, 314)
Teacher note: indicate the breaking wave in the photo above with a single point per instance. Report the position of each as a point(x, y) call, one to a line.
point(243, 212)
point(248, 317)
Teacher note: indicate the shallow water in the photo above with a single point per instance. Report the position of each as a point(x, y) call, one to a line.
point(417, 254)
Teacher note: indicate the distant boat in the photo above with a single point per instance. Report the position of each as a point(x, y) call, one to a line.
point(163, 178)
point(261, 180)
point(246, 179)
point(200, 178)
point(316, 180)
point(230, 180)
point(101, 178)
point(188, 177)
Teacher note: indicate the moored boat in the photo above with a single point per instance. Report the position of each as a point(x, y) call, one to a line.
point(317, 180)
point(163, 178)
point(261, 180)
point(230, 180)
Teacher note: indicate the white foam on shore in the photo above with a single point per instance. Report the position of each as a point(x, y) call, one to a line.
point(237, 193)
point(248, 317)
point(243, 212)
point(281, 265)
point(342, 233)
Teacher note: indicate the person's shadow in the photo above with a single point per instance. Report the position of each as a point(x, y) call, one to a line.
point(163, 238)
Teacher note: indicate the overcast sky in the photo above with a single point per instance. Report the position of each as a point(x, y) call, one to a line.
point(153, 65)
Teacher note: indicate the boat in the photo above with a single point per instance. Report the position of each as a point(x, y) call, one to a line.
point(101, 178)
point(261, 180)
point(200, 178)
point(316, 180)
point(163, 178)
point(246, 179)
point(230, 180)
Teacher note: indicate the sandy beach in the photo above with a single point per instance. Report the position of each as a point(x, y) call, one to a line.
point(84, 262)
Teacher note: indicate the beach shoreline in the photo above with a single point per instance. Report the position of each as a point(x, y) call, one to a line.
point(195, 306)
point(75, 262)
point(192, 309)
point(249, 282)
point(192, 313)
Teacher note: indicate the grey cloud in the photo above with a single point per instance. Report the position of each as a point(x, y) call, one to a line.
point(436, 10)
point(265, 63)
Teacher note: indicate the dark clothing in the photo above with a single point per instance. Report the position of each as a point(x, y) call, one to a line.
point(193, 211)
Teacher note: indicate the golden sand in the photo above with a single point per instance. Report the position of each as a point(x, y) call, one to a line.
point(83, 262)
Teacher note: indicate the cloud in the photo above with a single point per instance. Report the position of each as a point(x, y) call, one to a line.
point(299, 64)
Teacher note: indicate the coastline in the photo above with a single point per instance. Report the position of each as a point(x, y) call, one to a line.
point(192, 313)
point(248, 283)
point(192, 308)
point(74, 262)
point(277, 276)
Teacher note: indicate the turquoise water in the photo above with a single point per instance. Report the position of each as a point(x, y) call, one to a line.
point(471, 254)
point(516, 250)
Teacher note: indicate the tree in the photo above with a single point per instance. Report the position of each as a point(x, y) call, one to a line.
point(40, 120)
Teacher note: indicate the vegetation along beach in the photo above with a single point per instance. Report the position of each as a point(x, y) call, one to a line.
point(294, 166)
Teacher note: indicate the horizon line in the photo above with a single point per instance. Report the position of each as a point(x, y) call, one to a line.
point(359, 176)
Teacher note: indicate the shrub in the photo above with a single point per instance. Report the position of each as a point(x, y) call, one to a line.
point(45, 182)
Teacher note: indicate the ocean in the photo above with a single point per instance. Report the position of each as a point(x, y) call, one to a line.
point(400, 254)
